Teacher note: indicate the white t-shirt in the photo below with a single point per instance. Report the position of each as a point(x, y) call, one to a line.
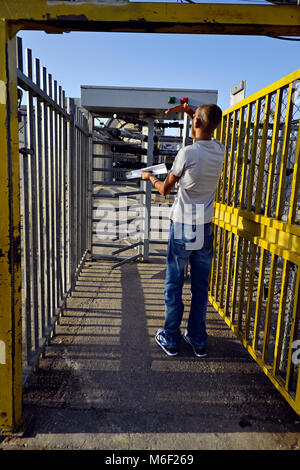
point(199, 167)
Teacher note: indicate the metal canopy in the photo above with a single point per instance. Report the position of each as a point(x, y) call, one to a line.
point(140, 101)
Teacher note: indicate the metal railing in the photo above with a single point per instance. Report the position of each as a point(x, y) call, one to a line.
point(255, 273)
point(54, 195)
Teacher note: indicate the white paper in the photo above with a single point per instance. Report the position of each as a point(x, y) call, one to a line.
point(155, 170)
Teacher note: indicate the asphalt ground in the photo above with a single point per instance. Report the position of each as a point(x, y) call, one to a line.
point(104, 383)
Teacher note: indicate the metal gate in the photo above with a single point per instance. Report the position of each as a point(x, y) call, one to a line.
point(255, 274)
point(54, 196)
point(127, 217)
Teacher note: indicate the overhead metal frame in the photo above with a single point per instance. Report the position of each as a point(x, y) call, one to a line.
point(58, 17)
point(205, 18)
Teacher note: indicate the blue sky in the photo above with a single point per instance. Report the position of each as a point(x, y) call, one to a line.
point(163, 60)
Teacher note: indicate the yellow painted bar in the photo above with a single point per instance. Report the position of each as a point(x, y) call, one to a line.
point(286, 136)
point(280, 239)
point(269, 309)
point(253, 153)
point(250, 292)
point(257, 316)
point(273, 151)
point(245, 154)
point(205, 18)
point(235, 277)
point(229, 268)
point(262, 155)
point(243, 272)
point(238, 155)
point(225, 169)
point(10, 248)
point(296, 182)
point(295, 325)
point(281, 312)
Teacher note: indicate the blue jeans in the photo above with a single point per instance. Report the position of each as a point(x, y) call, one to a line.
point(180, 250)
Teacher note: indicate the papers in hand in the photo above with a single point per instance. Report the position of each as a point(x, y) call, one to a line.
point(155, 170)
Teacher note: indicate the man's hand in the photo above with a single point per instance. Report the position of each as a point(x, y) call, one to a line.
point(146, 175)
point(181, 108)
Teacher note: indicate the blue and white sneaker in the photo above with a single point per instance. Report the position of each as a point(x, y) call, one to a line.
point(162, 342)
point(199, 352)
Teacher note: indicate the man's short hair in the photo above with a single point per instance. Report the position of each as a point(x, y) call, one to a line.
point(210, 116)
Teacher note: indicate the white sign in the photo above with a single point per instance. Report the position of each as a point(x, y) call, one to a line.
point(155, 170)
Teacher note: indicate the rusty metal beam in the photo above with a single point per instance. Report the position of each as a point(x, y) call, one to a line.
point(208, 18)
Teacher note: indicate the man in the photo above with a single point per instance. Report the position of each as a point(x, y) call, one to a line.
point(197, 169)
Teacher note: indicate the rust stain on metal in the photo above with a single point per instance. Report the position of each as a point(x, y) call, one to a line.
point(14, 253)
point(72, 18)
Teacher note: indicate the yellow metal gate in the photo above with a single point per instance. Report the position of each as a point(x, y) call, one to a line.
point(255, 274)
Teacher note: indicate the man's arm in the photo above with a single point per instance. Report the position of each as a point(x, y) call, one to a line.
point(181, 108)
point(163, 187)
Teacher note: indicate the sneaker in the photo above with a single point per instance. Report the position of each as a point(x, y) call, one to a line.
point(199, 352)
point(161, 341)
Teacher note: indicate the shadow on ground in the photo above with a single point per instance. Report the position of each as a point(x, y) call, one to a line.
point(104, 377)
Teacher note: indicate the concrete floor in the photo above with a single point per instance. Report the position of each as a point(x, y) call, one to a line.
point(105, 384)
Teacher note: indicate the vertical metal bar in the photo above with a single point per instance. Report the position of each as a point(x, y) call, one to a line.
point(19, 54)
point(262, 156)
point(295, 182)
point(90, 184)
point(241, 204)
point(223, 232)
point(269, 307)
point(186, 129)
point(238, 244)
point(234, 201)
point(260, 287)
point(225, 170)
point(67, 199)
point(228, 256)
point(245, 156)
point(33, 211)
point(59, 199)
point(56, 195)
point(238, 156)
point(10, 250)
point(231, 156)
point(82, 199)
point(273, 154)
point(46, 201)
point(70, 145)
point(26, 270)
point(293, 333)
point(281, 313)
point(251, 274)
point(73, 189)
point(253, 154)
point(40, 218)
point(146, 186)
point(51, 197)
point(63, 196)
point(217, 231)
point(79, 191)
point(222, 134)
point(285, 151)
point(242, 285)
